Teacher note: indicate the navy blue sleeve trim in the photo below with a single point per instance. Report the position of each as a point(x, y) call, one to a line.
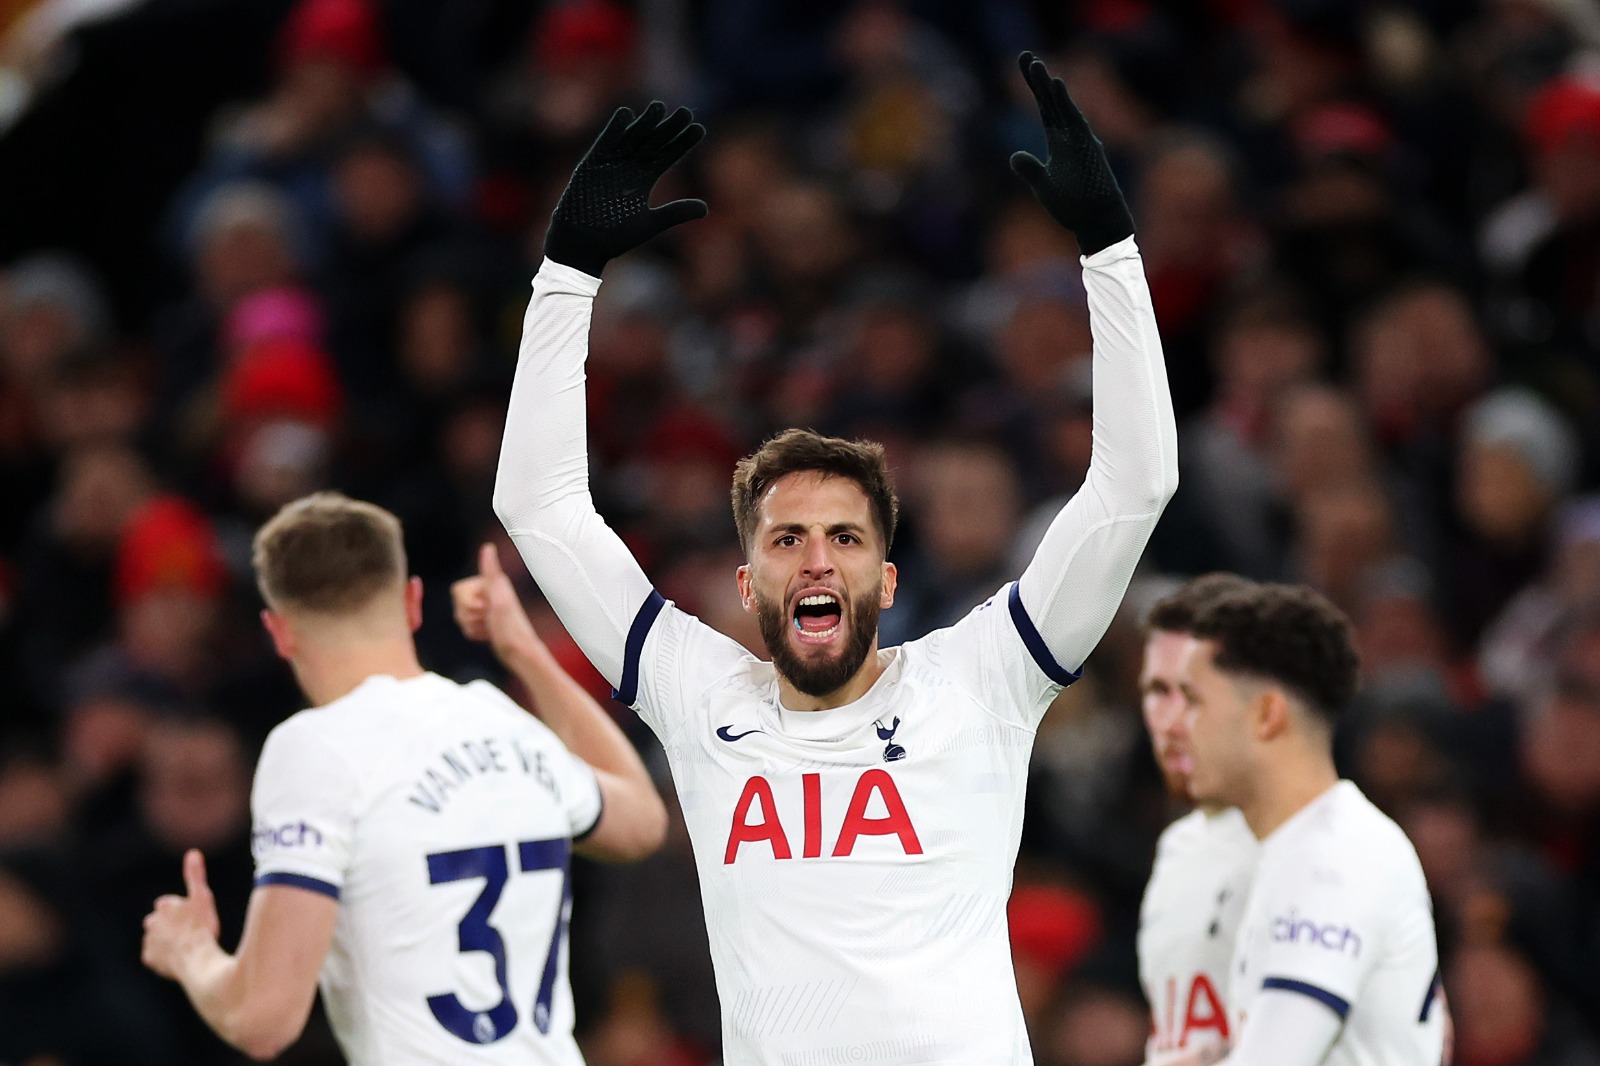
point(579, 838)
point(629, 692)
point(1321, 995)
point(1036, 645)
point(1433, 994)
point(299, 881)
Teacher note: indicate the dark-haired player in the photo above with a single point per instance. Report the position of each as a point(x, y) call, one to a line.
point(1335, 961)
point(1204, 861)
point(855, 811)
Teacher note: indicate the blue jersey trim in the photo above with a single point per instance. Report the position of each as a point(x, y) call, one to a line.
point(628, 692)
point(311, 884)
point(1433, 994)
point(1334, 1003)
point(1036, 645)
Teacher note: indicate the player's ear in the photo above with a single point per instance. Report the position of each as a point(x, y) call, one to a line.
point(891, 581)
point(281, 632)
point(414, 603)
point(747, 592)
point(1270, 713)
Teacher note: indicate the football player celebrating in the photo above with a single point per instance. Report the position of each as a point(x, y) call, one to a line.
point(412, 835)
point(855, 811)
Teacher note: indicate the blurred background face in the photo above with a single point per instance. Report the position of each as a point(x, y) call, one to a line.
point(195, 786)
point(969, 507)
point(1499, 496)
point(1322, 441)
point(243, 258)
point(379, 191)
point(1259, 356)
point(1346, 532)
point(30, 931)
point(437, 338)
point(1162, 700)
point(1497, 1004)
point(1216, 728)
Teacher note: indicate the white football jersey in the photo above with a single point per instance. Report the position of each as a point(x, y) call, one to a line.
point(1187, 924)
point(441, 817)
point(855, 863)
point(1340, 912)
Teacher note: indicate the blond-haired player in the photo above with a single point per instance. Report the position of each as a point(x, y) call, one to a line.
point(412, 836)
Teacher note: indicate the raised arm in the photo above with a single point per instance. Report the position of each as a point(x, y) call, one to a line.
point(633, 820)
point(1077, 578)
point(541, 492)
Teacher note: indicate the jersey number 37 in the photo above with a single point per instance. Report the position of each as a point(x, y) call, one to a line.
point(489, 863)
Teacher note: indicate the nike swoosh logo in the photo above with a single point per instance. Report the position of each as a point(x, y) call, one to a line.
point(726, 733)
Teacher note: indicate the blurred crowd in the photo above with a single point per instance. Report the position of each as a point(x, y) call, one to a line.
point(1372, 233)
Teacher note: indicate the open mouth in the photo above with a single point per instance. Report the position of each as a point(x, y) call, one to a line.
point(817, 616)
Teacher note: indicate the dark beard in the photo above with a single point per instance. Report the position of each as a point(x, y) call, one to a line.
point(828, 675)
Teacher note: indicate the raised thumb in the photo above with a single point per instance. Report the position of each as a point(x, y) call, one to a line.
point(1026, 166)
point(489, 561)
point(194, 873)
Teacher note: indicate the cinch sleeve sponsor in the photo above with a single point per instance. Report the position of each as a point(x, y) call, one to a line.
point(303, 807)
point(1322, 933)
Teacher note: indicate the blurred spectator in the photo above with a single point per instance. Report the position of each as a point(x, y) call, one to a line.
point(54, 324)
point(33, 796)
point(55, 975)
point(193, 791)
point(968, 510)
point(333, 75)
point(1196, 239)
point(1094, 1026)
point(1517, 650)
point(1420, 359)
point(1542, 245)
point(65, 590)
point(1519, 457)
point(1264, 345)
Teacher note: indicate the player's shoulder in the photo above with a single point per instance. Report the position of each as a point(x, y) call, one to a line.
point(1343, 831)
point(1182, 835)
point(951, 653)
point(1362, 830)
point(1344, 816)
point(1211, 833)
point(686, 638)
point(385, 706)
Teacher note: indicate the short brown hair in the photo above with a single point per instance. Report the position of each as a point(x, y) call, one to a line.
point(1291, 635)
point(328, 554)
point(796, 451)
point(1176, 611)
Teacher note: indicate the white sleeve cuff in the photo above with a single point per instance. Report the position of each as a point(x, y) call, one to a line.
point(558, 277)
point(1111, 253)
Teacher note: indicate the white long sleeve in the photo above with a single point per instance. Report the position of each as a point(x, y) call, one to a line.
point(1285, 1029)
point(541, 491)
point(1075, 582)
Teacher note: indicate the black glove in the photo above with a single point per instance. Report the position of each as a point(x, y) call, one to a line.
point(605, 210)
point(1076, 186)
